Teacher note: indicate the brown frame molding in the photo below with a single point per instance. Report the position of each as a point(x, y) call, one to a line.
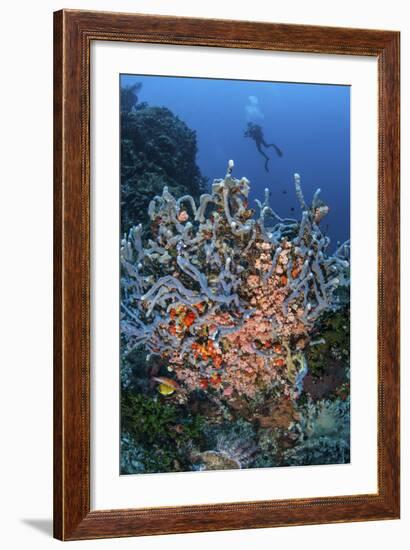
point(73, 33)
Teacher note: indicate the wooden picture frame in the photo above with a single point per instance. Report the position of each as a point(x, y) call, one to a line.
point(74, 32)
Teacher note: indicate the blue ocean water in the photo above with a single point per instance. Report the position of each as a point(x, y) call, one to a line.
point(310, 123)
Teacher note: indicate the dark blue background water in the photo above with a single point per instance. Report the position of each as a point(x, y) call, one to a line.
point(310, 123)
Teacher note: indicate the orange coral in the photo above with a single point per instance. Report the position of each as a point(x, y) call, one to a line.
point(240, 356)
point(215, 379)
point(277, 348)
point(189, 318)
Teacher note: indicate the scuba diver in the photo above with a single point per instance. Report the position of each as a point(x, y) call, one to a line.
point(254, 131)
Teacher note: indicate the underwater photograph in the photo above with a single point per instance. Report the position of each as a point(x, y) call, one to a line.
point(235, 274)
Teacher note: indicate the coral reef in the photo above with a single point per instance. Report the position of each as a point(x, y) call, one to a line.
point(156, 436)
point(226, 446)
point(229, 454)
point(226, 298)
point(235, 335)
point(330, 340)
point(157, 149)
point(129, 97)
point(324, 434)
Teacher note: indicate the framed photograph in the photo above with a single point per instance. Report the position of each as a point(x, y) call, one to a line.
point(226, 275)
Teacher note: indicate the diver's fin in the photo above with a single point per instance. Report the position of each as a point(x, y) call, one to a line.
point(278, 151)
point(265, 156)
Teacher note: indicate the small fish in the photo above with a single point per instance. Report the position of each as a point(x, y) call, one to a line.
point(167, 386)
point(284, 192)
point(165, 390)
point(292, 209)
